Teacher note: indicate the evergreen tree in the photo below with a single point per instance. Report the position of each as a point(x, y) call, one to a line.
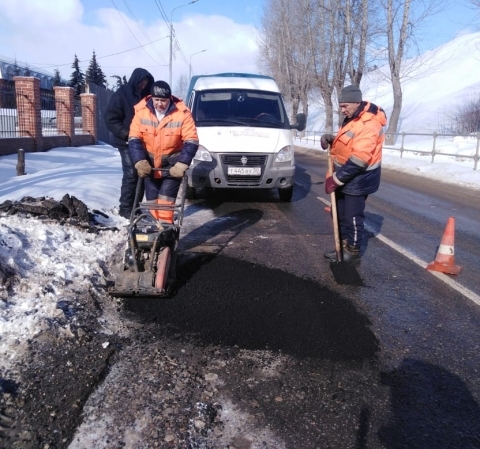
point(77, 80)
point(57, 79)
point(118, 82)
point(27, 72)
point(95, 74)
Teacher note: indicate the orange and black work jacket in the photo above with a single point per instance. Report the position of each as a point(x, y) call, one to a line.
point(357, 150)
point(173, 139)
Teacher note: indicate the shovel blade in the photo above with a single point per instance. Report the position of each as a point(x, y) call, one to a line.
point(345, 273)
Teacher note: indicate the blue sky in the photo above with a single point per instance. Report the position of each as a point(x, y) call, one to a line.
point(458, 16)
point(242, 11)
point(117, 29)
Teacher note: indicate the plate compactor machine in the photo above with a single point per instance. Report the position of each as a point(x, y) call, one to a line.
point(149, 265)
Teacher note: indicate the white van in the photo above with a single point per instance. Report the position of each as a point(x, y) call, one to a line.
point(244, 132)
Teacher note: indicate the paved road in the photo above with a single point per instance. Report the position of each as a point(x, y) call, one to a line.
point(260, 347)
point(390, 364)
point(427, 325)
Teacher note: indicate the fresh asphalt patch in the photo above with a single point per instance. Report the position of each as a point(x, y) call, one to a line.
point(229, 302)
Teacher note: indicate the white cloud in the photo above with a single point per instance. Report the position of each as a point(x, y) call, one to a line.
point(230, 46)
point(39, 15)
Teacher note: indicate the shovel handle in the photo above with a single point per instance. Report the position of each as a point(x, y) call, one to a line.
point(336, 233)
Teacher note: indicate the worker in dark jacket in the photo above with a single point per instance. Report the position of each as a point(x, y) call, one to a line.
point(118, 117)
point(356, 152)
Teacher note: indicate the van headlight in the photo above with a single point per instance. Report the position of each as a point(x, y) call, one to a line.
point(285, 154)
point(203, 155)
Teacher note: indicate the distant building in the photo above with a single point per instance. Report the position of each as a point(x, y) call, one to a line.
point(9, 69)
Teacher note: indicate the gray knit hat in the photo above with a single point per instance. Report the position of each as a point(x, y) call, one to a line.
point(350, 94)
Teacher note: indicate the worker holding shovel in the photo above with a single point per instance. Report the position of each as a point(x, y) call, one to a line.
point(356, 155)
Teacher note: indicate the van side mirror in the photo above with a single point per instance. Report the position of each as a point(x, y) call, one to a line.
point(301, 122)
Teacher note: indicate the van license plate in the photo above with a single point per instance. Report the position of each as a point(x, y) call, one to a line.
point(255, 171)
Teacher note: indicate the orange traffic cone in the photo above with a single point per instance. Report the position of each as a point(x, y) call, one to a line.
point(445, 258)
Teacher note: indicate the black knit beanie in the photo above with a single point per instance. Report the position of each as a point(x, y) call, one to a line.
point(161, 89)
point(350, 94)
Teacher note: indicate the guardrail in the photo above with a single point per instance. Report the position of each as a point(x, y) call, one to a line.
point(425, 144)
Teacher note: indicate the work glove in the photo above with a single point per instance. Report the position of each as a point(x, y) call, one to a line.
point(330, 185)
point(143, 168)
point(178, 170)
point(326, 140)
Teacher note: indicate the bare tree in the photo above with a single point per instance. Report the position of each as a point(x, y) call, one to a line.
point(350, 60)
point(324, 42)
point(395, 58)
point(16, 69)
point(182, 86)
point(402, 22)
point(357, 39)
point(467, 117)
point(339, 46)
point(283, 53)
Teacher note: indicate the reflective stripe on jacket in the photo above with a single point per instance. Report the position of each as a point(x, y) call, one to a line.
point(173, 139)
point(357, 150)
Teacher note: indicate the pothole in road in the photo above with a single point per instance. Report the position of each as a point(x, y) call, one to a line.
point(229, 302)
point(282, 359)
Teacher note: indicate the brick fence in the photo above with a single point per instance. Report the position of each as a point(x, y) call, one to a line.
point(30, 136)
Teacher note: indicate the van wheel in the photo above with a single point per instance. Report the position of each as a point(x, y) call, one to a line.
point(286, 193)
point(191, 194)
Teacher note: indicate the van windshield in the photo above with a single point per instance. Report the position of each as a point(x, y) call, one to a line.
point(239, 108)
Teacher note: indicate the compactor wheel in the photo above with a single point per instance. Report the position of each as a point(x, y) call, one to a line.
point(163, 267)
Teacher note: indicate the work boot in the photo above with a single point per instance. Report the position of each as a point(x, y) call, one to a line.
point(351, 253)
point(125, 213)
point(332, 255)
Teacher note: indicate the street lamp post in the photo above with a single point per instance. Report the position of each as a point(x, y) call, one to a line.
point(171, 39)
point(190, 65)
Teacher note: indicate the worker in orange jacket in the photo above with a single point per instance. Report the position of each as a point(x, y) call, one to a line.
point(162, 135)
point(356, 152)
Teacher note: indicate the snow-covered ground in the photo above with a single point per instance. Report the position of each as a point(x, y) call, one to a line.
point(46, 261)
point(454, 169)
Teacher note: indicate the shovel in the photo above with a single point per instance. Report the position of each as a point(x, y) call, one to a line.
point(343, 272)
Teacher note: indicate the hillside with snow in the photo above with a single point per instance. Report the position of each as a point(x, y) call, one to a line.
point(441, 81)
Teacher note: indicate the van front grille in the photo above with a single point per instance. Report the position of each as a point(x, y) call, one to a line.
point(244, 160)
point(252, 160)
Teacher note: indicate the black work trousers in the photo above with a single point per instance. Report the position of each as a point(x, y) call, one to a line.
point(129, 182)
point(351, 217)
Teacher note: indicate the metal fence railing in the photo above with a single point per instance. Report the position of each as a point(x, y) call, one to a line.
point(8, 111)
point(48, 113)
point(77, 117)
point(9, 115)
point(9, 126)
point(423, 144)
point(431, 145)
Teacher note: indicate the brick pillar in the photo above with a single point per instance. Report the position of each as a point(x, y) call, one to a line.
point(64, 105)
point(27, 90)
point(89, 114)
